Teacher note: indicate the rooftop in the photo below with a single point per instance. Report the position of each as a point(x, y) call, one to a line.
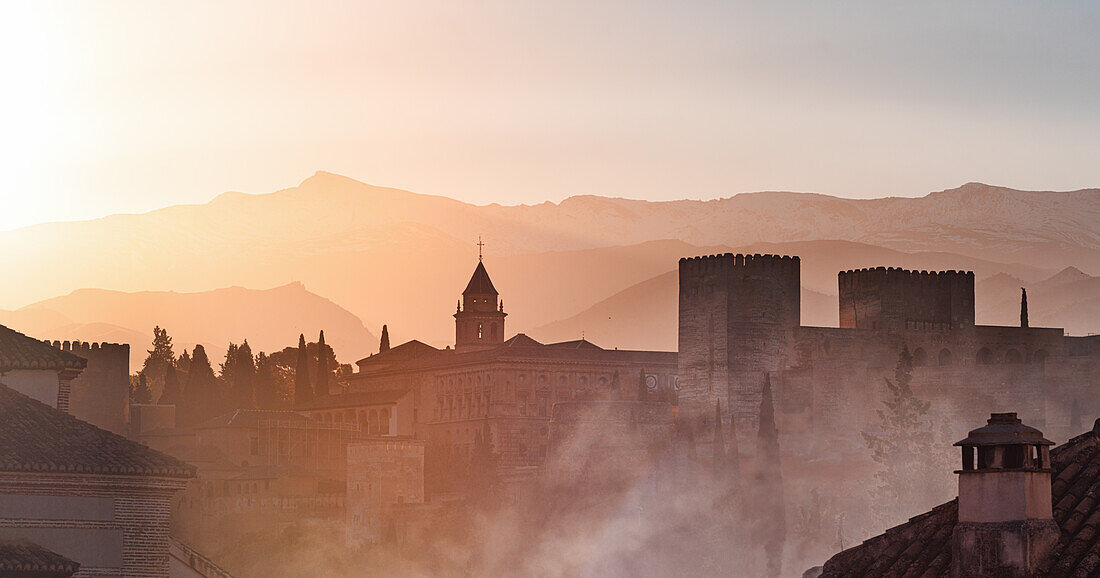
point(251, 418)
point(1004, 429)
point(480, 284)
point(22, 558)
point(17, 351)
point(922, 546)
point(35, 437)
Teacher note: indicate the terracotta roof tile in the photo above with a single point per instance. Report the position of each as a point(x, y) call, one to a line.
point(35, 437)
point(17, 351)
point(922, 546)
point(22, 558)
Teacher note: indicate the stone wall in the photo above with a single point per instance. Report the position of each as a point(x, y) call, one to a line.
point(892, 299)
point(100, 394)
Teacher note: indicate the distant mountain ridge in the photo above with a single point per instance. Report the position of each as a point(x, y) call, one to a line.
point(270, 319)
point(402, 258)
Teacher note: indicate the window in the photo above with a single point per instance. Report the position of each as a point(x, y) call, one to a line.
point(945, 357)
point(542, 406)
point(985, 356)
point(479, 331)
point(253, 446)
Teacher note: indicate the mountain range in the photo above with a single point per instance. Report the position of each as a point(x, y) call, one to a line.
point(402, 258)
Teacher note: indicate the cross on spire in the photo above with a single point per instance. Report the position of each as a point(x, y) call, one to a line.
point(480, 245)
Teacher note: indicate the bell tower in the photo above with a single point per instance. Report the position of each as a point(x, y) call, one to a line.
point(479, 319)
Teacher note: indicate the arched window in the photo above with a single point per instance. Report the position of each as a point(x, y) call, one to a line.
point(1013, 356)
point(985, 356)
point(945, 357)
point(920, 358)
point(1040, 356)
point(479, 331)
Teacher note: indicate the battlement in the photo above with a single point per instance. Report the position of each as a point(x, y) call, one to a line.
point(702, 265)
point(76, 347)
point(895, 298)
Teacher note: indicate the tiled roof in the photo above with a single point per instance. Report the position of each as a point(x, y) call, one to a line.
point(22, 558)
point(354, 399)
point(922, 546)
point(480, 284)
point(521, 340)
point(250, 418)
point(17, 351)
point(35, 437)
point(408, 351)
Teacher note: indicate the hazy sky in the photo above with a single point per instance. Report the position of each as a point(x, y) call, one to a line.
point(124, 107)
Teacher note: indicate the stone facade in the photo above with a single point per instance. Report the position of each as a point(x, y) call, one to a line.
point(383, 473)
point(100, 394)
point(739, 320)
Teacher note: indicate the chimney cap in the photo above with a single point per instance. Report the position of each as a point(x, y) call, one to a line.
point(1004, 429)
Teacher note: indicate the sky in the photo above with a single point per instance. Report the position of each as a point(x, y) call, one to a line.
point(129, 106)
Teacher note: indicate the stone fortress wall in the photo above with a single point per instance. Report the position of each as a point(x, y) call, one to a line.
point(100, 394)
point(739, 322)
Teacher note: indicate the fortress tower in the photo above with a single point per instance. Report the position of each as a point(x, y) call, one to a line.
point(893, 299)
point(737, 313)
point(479, 320)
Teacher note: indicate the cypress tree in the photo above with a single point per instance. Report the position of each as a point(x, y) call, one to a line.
point(643, 394)
point(244, 377)
point(201, 392)
point(321, 387)
point(770, 519)
point(1023, 307)
point(384, 343)
point(266, 397)
point(171, 395)
point(141, 393)
point(719, 442)
point(303, 391)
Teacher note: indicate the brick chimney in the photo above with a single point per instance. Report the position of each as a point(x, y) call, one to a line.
point(1006, 527)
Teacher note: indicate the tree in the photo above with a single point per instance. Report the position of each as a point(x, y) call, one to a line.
point(139, 391)
point(643, 393)
point(1023, 307)
point(158, 360)
point(720, 462)
point(184, 362)
point(266, 390)
point(201, 394)
point(303, 391)
point(902, 446)
point(481, 477)
point(324, 369)
point(171, 394)
point(769, 515)
point(384, 343)
point(244, 377)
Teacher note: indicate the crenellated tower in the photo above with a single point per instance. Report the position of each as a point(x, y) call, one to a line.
point(479, 320)
point(737, 314)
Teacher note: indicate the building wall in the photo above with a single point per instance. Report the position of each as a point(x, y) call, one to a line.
point(111, 525)
point(40, 384)
point(100, 394)
point(889, 298)
point(382, 474)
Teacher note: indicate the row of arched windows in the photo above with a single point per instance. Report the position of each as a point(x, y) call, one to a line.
point(985, 356)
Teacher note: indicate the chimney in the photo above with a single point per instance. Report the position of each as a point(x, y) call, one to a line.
point(1006, 526)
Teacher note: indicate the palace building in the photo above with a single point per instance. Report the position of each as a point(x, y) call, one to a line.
point(505, 387)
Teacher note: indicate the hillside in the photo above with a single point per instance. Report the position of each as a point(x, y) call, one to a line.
point(270, 319)
point(1069, 299)
point(392, 256)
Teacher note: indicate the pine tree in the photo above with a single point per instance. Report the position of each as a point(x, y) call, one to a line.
point(171, 395)
point(303, 391)
point(902, 447)
point(323, 368)
point(244, 377)
point(643, 393)
point(384, 343)
point(158, 360)
point(200, 395)
point(141, 392)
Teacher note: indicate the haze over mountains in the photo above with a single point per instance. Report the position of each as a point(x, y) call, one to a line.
point(269, 319)
point(396, 257)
